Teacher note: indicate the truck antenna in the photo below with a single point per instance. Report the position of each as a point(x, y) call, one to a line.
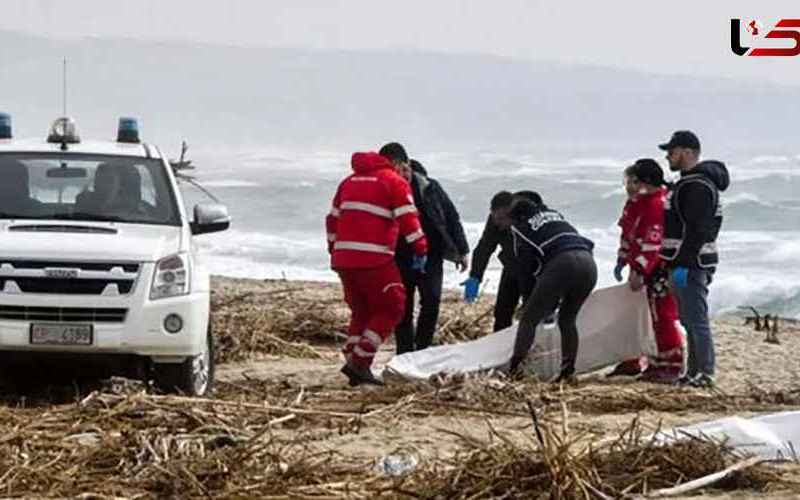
point(64, 89)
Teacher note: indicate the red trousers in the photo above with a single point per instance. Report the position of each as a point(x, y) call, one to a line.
point(669, 340)
point(377, 300)
point(664, 311)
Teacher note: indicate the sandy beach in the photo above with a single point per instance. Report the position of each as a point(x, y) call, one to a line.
point(278, 384)
point(766, 376)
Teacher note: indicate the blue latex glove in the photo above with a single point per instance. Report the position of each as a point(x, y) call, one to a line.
point(471, 286)
point(418, 263)
point(618, 270)
point(680, 277)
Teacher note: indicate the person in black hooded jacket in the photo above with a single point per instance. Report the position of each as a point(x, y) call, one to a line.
point(514, 286)
point(446, 241)
point(550, 248)
point(692, 221)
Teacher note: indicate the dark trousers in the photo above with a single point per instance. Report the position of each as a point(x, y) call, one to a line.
point(429, 285)
point(511, 289)
point(569, 278)
point(693, 307)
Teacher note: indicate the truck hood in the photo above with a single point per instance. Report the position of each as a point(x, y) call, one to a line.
point(87, 241)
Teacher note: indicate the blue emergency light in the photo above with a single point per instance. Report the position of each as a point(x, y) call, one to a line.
point(5, 126)
point(128, 130)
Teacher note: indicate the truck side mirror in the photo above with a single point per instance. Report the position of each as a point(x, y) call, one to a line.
point(210, 218)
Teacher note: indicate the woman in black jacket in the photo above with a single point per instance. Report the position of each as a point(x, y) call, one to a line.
point(551, 249)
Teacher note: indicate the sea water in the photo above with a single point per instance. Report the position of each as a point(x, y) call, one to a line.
point(278, 200)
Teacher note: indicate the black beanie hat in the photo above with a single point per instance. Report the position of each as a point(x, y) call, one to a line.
point(648, 171)
point(394, 151)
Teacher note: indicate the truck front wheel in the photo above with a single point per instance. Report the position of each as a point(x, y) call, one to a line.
point(193, 377)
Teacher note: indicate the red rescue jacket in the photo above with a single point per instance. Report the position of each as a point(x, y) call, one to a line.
point(642, 224)
point(371, 208)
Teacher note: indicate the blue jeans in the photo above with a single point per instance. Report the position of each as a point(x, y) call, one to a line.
point(693, 309)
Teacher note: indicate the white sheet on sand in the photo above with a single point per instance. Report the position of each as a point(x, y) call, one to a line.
point(614, 324)
point(772, 437)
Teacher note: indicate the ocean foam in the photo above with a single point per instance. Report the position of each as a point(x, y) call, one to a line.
point(770, 160)
point(602, 162)
point(744, 198)
point(591, 182)
point(228, 183)
point(756, 266)
point(783, 252)
point(620, 191)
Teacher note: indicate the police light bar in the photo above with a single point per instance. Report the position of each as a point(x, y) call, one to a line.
point(128, 130)
point(5, 126)
point(64, 131)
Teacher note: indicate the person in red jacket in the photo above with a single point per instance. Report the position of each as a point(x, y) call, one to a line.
point(372, 207)
point(642, 226)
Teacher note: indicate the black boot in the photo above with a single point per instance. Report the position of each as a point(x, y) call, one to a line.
point(567, 377)
point(360, 375)
point(352, 379)
point(514, 367)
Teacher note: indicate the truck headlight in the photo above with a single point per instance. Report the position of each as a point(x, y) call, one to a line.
point(171, 277)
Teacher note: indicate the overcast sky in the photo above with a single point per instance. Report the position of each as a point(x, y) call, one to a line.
point(675, 36)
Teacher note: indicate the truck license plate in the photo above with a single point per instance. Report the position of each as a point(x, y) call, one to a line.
point(61, 334)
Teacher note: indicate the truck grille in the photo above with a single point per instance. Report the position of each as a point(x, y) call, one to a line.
point(128, 267)
point(68, 278)
point(63, 314)
point(67, 287)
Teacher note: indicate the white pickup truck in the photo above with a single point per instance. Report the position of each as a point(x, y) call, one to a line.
point(97, 259)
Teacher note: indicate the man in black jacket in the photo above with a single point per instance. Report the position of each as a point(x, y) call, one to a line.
point(446, 241)
point(693, 218)
point(550, 248)
point(514, 285)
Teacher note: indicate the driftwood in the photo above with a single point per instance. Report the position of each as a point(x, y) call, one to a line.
point(755, 319)
point(556, 463)
point(705, 481)
point(772, 333)
point(273, 438)
point(767, 323)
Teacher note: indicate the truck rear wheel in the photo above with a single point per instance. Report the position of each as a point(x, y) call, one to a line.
point(194, 377)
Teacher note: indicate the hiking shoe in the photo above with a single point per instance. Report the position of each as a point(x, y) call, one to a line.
point(625, 369)
point(360, 375)
point(685, 381)
point(703, 381)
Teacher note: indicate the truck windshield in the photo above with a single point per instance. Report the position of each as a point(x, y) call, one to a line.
point(86, 188)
